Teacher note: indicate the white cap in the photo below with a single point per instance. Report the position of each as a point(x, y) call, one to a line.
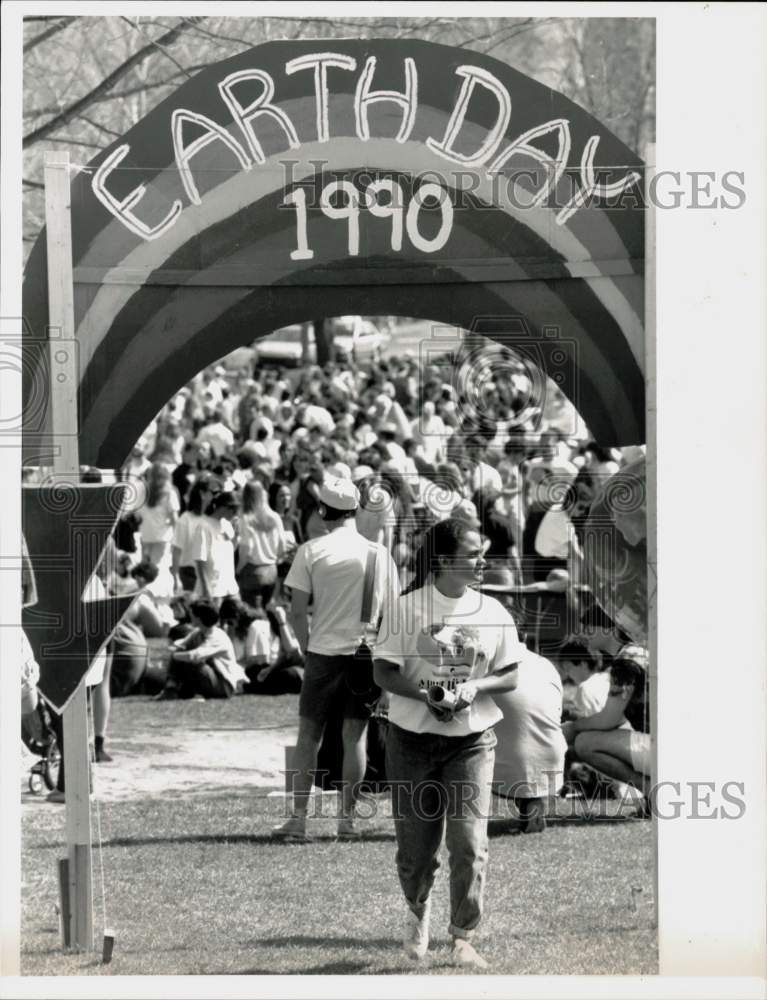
point(361, 472)
point(340, 494)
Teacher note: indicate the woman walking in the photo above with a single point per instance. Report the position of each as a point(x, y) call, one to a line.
point(443, 651)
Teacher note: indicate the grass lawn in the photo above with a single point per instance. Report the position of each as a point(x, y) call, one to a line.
point(194, 885)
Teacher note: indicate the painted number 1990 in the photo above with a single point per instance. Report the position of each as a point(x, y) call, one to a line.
point(383, 208)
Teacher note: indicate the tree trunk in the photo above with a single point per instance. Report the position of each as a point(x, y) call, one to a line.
point(324, 340)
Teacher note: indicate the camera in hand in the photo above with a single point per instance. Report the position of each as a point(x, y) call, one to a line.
point(440, 697)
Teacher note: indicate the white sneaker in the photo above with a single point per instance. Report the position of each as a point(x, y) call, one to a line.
point(347, 830)
point(466, 956)
point(416, 937)
point(293, 831)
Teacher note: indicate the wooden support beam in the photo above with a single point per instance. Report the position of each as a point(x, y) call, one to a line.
point(65, 919)
point(62, 346)
point(63, 400)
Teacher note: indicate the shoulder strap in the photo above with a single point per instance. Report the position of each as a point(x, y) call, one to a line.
point(367, 589)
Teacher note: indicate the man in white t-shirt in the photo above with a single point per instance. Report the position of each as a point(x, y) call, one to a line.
point(203, 662)
point(217, 435)
point(331, 571)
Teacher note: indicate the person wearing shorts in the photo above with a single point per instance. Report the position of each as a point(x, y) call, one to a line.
point(330, 571)
point(602, 741)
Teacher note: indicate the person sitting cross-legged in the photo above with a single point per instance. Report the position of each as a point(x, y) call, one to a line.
point(203, 662)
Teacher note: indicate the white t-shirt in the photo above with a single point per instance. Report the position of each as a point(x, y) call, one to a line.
point(438, 640)
point(552, 539)
point(332, 569)
point(261, 641)
point(215, 648)
point(157, 522)
point(591, 695)
point(318, 416)
point(218, 436)
point(531, 746)
point(213, 544)
point(487, 478)
point(261, 546)
point(183, 536)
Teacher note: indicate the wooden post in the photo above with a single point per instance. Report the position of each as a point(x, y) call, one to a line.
point(61, 312)
point(66, 466)
point(651, 481)
point(65, 921)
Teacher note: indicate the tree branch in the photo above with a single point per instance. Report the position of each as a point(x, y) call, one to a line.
point(74, 142)
point(118, 94)
point(161, 48)
point(54, 29)
point(103, 128)
point(215, 36)
point(44, 131)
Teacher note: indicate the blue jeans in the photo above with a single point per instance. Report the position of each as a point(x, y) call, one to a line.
point(442, 785)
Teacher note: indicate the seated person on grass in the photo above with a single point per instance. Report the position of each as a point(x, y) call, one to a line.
point(265, 647)
point(140, 622)
point(576, 662)
point(579, 662)
point(203, 662)
point(603, 741)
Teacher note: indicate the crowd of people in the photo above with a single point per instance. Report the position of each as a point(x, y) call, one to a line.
point(363, 535)
point(227, 478)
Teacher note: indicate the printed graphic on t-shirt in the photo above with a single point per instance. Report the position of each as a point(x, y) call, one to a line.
point(449, 655)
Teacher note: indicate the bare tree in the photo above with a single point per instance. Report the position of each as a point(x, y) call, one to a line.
point(89, 79)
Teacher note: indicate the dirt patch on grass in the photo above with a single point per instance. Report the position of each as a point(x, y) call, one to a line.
point(162, 749)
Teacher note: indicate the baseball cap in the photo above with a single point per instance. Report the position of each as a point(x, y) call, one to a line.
point(635, 653)
point(340, 494)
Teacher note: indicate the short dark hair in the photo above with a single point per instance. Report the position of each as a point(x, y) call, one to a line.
point(625, 671)
point(146, 569)
point(205, 612)
point(334, 514)
point(224, 499)
point(577, 652)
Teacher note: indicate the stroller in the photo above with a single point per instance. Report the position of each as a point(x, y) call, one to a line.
point(39, 737)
